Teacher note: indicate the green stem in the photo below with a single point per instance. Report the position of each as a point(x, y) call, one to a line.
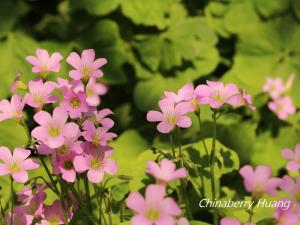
point(83, 208)
point(1, 207)
point(87, 191)
point(251, 212)
point(183, 186)
point(109, 207)
point(101, 199)
point(212, 166)
point(62, 202)
point(49, 174)
point(98, 202)
point(179, 146)
point(172, 145)
point(12, 201)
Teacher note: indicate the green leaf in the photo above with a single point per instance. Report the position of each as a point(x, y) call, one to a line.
point(296, 8)
point(267, 222)
point(138, 171)
point(199, 154)
point(271, 8)
point(194, 222)
point(125, 223)
point(12, 134)
point(269, 51)
point(237, 22)
point(147, 93)
point(13, 51)
point(96, 7)
point(9, 11)
point(240, 137)
point(148, 13)
point(266, 143)
point(128, 147)
point(120, 191)
point(214, 15)
point(149, 48)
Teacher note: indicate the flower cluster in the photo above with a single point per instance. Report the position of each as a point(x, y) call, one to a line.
point(281, 104)
point(156, 208)
point(260, 182)
point(71, 131)
point(175, 106)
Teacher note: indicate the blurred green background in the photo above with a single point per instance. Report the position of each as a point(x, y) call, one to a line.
point(157, 45)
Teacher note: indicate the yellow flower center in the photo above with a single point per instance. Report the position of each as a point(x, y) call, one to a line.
point(44, 70)
point(218, 97)
point(62, 150)
point(96, 139)
point(85, 71)
point(38, 99)
point(89, 92)
point(171, 119)
point(75, 102)
point(53, 132)
point(153, 214)
point(53, 221)
point(96, 163)
point(15, 167)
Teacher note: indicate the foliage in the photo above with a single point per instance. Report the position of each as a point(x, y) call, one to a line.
point(158, 45)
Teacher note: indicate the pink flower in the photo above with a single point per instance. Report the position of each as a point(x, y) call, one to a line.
point(74, 103)
point(166, 172)
point(86, 66)
point(19, 218)
point(283, 107)
point(216, 94)
point(32, 201)
point(97, 136)
point(242, 99)
point(103, 120)
point(259, 181)
point(64, 165)
point(96, 163)
point(12, 109)
point(182, 221)
point(93, 91)
point(274, 87)
point(71, 144)
point(43, 64)
point(154, 208)
point(171, 116)
point(294, 164)
point(40, 93)
point(17, 164)
point(186, 93)
point(53, 214)
point(53, 130)
point(290, 216)
point(75, 85)
point(232, 221)
point(291, 187)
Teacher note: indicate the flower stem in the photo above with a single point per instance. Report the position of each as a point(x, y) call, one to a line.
point(172, 145)
point(251, 211)
point(49, 174)
point(87, 191)
point(12, 201)
point(89, 215)
point(212, 166)
point(183, 186)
